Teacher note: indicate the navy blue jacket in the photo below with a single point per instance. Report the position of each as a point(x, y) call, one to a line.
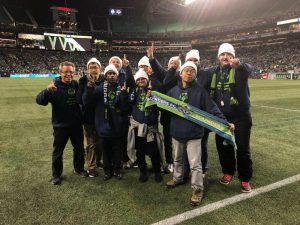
point(111, 119)
point(88, 111)
point(65, 109)
point(241, 90)
point(126, 76)
point(148, 116)
point(195, 95)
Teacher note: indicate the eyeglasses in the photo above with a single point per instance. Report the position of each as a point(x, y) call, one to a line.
point(189, 71)
point(67, 72)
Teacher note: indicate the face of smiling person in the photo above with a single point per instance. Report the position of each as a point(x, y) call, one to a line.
point(116, 63)
point(142, 82)
point(188, 75)
point(94, 70)
point(225, 59)
point(66, 74)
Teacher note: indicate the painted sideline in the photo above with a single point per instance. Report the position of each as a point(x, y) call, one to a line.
point(228, 201)
point(271, 107)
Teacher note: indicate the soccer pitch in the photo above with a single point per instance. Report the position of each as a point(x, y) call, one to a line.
point(27, 197)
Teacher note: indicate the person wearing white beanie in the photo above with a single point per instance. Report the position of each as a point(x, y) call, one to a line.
point(226, 48)
point(93, 149)
point(141, 74)
point(144, 63)
point(143, 134)
point(93, 61)
point(187, 136)
point(116, 61)
point(193, 55)
point(111, 73)
point(174, 62)
point(234, 103)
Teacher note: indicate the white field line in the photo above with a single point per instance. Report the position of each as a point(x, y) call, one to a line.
point(228, 201)
point(270, 107)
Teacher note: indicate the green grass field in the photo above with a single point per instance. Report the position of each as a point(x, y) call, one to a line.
point(27, 197)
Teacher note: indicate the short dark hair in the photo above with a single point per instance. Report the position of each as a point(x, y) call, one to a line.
point(66, 63)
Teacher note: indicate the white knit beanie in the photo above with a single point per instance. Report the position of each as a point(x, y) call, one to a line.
point(174, 58)
point(144, 61)
point(115, 57)
point(140, 74)
point(188, 63)
point(111, 67)
point(93, 60)
point(226, 48)
point(194, 53)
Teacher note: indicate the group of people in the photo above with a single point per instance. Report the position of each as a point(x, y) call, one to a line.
point(110, 110)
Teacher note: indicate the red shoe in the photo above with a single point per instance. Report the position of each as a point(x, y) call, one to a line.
point(246, 188)
point(226, 179)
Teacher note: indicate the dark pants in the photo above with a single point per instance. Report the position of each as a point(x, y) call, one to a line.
point(144, 148)
point(125, 157)
point(61, 137)
point(112, 155)
point(165, 122)
point(242, 159)
point(204, 151)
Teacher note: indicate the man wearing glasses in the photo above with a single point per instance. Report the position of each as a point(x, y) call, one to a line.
point(66, 120)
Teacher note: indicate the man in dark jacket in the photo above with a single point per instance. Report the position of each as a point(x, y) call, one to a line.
point(186, 136)
point(93, 148)
point(66, 120)
point(230, 91)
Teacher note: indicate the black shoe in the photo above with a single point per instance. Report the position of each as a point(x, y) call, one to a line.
point(93, 173)
point(81, 173)
point(107, 177)
point(118, 176)
point(56, 181)
point(158, 177)
point(143, 177)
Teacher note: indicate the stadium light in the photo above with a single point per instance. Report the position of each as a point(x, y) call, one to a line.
point(187, 2)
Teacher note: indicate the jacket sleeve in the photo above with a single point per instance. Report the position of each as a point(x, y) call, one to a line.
point(129, 78)
point(81, 85)
point(158, 69)
point(171, 79)
point(44, 97)
point(245, 70)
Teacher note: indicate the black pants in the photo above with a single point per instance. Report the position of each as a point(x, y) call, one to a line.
point(144, 148)
point(167, 143)
point(112, 155)
point(61, 137)
point(204, 151)
point(242, 159)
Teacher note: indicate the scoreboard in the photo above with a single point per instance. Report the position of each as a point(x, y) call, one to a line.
point(67, 42)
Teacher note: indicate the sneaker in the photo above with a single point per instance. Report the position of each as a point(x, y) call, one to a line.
point(56, 181)
point(158, 177)
point(143, 177)
point(226, 179)
point(100, 165)
point(134, 165)
point(196, 197)
point(118, 176)
point(246, 188)
point(81, 173)
point(172, 184)
point(107, 177)
point(93, 173)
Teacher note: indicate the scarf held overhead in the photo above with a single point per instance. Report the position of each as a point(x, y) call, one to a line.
point(193, 114)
